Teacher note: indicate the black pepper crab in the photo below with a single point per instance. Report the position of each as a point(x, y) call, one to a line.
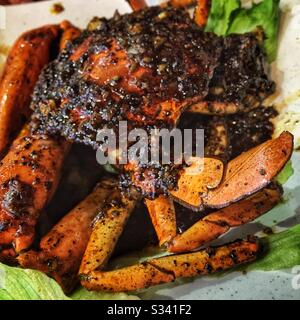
point(154, 68)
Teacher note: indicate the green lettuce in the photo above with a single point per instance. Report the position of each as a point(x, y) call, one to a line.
point(220, 16)
point(285, 174)
point(279, 251)
point(228, 17)
point(22, 284)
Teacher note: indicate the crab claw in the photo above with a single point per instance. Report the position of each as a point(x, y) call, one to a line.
point(24, 64)
point(196, 180)
point(29, 175)
point(244, 176)
point(252, 171)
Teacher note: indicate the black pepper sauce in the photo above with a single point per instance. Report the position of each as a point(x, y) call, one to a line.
point(248, 130)
point(241, 76)
point(167, 60)
point(244, 130)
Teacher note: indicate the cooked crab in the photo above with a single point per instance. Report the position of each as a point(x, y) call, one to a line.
point(148, 68)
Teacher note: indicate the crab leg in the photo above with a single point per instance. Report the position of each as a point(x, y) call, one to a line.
point(24, 64)
point(29, 175)
point(70, 32)
point(219, 222)
point(155, 271)
point(163, 217)
point(201, 12)
point(106, 231)
point(244, 176)
point(210, 260)
point(137, 5)
point(182, 3)
point(213, 225)
point(61, 250)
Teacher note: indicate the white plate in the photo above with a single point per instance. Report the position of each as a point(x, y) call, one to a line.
point(254, 285)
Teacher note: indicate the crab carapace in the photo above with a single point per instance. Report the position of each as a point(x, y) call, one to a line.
point(147, 68)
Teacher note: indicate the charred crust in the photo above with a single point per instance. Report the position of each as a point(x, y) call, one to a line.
point(173, 47)
point(18, 198)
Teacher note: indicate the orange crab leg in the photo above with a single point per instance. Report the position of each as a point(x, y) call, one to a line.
point(29, 175)
point(163, 217)
point(201, 12)
point(137, 5)
point(24, 64)
point(219, 222)
point(210, 260)
point(70, 33)
point(62, 249)
point(169, 268)
point(131, 278)
point(182, 3)
point(107, 230)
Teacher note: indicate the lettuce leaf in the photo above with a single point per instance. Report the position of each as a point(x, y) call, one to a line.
point(228, 17)
point(220, 16)
point(280, 251)
point(20, 284)
point(285, 174)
